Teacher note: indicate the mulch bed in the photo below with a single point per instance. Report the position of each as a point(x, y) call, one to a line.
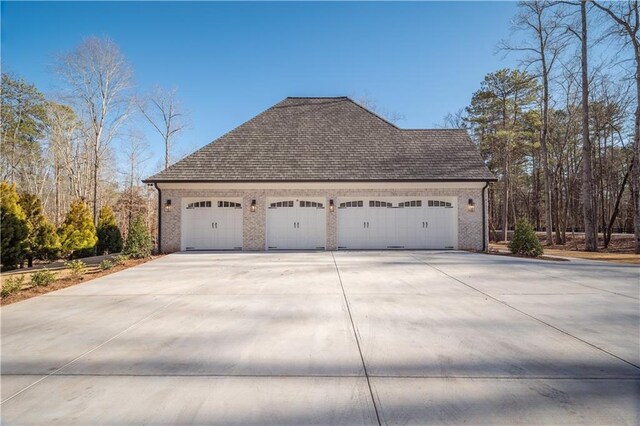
point(508, 254)
point(621, 249)
point(68, 281)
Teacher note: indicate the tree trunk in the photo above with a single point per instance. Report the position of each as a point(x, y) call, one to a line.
point(536, 191)
point(130, 216)
point(505, 196)
point(608, 230)
point(96, 166)
point(166, 152)
point(587, 174)
point(57, 186)
point(635, 176)
point(556, 211)
point(543, 141)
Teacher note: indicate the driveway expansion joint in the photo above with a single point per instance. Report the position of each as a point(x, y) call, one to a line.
point(530, 316)
point(53, 373)
point(346, 376)
point(357, 336)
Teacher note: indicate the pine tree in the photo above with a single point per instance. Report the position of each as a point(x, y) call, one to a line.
point(77, 232)
point(525, 241)
point(13, 227)
point(23, 123)
point(42, 240)
point(46, 241)
point(109, 236)
point(139, 242)
point(498, 112)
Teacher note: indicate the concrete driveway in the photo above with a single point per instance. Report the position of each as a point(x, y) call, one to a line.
point(330, 338)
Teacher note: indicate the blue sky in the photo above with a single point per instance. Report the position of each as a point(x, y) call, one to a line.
point(229, 61)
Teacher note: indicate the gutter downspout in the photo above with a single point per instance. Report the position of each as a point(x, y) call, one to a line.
point(155, 184)
point(485, 227)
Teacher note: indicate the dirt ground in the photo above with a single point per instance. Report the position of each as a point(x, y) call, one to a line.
point(620, 250)
point(64, 279)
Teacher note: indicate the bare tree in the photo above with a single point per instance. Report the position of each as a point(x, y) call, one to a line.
point(22, 108)
point(455, 120)
point(590, 236)
point(588, 210)
point(626, 17)
point(98, 79)
point(162, 110)
point(544, 21)
point(63, 129)
point(136, 151)
point(371, 104)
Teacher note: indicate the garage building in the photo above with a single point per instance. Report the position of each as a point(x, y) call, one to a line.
point(325, 174)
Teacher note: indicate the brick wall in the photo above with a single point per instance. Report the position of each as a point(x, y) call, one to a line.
point(469, 223)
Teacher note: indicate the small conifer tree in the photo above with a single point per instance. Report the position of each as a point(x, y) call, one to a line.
point(139, 242)
point(46, 241)
point(109, 236)
point(13, 228)
point(525, 241)
point(77, 232)
point(42, 240)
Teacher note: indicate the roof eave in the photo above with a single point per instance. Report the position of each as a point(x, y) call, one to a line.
point(150, 180)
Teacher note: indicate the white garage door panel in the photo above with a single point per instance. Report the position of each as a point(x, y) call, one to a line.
point(441, 222)
point(397, 222)
point(211, 224)
point(296, 223)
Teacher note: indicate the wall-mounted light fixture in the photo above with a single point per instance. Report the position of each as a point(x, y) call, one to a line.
point(253, 205)
point(332, 207)
point(167, 204)
point(471, 206)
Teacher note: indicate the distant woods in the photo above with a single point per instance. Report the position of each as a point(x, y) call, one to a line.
point(562, 132)
point(84, 142)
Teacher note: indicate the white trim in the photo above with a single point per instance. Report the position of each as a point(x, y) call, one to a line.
point(319, 185)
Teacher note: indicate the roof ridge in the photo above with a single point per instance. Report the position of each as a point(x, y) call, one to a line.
point(348, 99)
point(436, 128)
point(317, 97)
point(378, 116)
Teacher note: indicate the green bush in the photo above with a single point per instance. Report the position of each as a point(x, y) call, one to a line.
point(120, 259)
point(42, 277)
point(106, 264)
point(11, 285)
point(139, 243)
point(109, 236)
point(77, 267)
point(43, 241)
point(14, 229)
point(525, 241)
point(82, 253)
point(77, 231)
point(47, 243)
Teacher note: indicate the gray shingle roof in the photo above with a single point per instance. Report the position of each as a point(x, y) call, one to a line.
point(329, 139)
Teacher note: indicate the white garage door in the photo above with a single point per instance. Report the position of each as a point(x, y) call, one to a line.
point(211, 224)
point(296, 223)
point(394, 222)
